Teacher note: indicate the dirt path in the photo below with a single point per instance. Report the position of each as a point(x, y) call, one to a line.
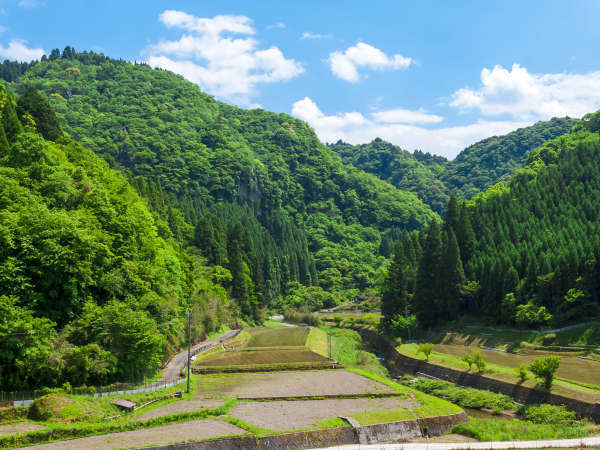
point(179, 432)
point(173, 368)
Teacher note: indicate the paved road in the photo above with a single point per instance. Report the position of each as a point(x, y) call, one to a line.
point(558, 443)
point(174, 366)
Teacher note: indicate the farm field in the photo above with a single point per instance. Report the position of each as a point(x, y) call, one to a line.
point(273, 347)
point(577, 378)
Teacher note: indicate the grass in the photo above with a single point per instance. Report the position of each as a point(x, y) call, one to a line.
point(383, 416)
point(502, 366)
point(12, 414)
point(247, 358)
point(317, 342)
point(348, 349)
point(501, 429)
point(279, 337)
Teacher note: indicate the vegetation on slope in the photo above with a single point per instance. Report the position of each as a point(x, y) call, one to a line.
point(92, 289)
point(310, 218)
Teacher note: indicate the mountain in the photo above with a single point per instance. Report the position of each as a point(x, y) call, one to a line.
point(524, 252)
point(495, 159)
point(309, 218)
point(92, 285)
point(418, 173)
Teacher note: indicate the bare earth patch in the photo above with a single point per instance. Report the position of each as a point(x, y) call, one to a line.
point(179, 432)
point(19, 428)
point(287, 384)
point(290, 415)
point(179, 407)
point(448, 438)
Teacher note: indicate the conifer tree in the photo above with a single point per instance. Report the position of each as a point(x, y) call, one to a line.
point(10, 120)
point(452, 277)
point(426, 299)
point(38, 106)
point(394, 299)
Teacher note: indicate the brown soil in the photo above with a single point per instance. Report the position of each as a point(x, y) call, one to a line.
point(19, 428)
point(287, 384)
point(450, 438)
point(179, 432)
point(291, 415)
point(179, 407)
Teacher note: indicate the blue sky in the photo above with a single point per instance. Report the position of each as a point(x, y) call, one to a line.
point(432, 75)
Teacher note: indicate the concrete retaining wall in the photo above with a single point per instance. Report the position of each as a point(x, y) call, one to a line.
point(375, 434)
point(400, 364)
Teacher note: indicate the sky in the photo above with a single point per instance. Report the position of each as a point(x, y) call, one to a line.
point(430, 75)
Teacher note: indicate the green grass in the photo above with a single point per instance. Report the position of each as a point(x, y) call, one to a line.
point(272, 324)
point(257, 358)
point(383, 416)
point(501, 429)
point(317, 342)
point(279, 337)
point(334, 422)
point(348, 349)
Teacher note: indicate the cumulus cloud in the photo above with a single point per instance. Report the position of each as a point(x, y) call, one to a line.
point(309, 35)
point(400, 127)
point(345, 64)
point(17, 50)
point(224, 66)
point(525, 96)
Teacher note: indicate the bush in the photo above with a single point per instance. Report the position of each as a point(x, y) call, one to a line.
point(549, 338)
point(405, 327)
point(308, 318)
point(426, 349)
point(522, 373)
point(479, 361)
point(544, 369)
point(548, 414)
point(468, 358)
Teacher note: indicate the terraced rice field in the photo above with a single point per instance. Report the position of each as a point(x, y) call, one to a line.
point(272, 347)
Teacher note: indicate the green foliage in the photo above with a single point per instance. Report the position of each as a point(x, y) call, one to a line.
point(426, 349)
point(517, 430)
point(544, 368)
point(469, 359)
point(522, 373)
point(479, 361)
point(33, 103)
point(548, 414)
point(404, 327)
point(311, 219)
point(465, 397)
point(307, 318)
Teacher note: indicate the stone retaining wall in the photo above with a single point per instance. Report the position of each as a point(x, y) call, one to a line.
point(400, 364)
point(375, 434)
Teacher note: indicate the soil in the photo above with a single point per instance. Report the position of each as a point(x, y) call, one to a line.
point(179, 407)
point(291, 415)
point(179, 432)
point(450, 438)
point(287, 384)
point(19, 428)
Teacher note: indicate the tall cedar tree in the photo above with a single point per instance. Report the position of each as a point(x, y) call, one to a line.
point(37, 105)
point(395, 296)
point(427, 286)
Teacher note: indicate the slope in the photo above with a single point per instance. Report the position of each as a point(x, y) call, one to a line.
point(249, 166)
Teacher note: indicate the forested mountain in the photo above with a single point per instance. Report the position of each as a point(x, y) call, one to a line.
point(432, 178)
point(495, 159)
point(92, 285)
point(525, 252)
point(262, 180)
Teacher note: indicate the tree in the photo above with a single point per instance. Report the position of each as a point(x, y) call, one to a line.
point(426, 349)
point(426, 298)
point(453, 276)
point(544, 368)
point(468, 358)
point(479, 361)
point(46, 121)
point(395, 297)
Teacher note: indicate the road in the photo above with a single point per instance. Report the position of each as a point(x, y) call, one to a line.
point(173, 368)
point(557, 443)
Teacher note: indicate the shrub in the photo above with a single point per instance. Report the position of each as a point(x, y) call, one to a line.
point(544, 369)
point(426, 349)
point(548, 414)
point(522, 373)
point(468, 358)
point(338, 320)
point(549, 338)
point(479, 361)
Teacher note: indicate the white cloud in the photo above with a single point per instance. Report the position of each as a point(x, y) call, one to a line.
point(345, 64)
point(406, 116)
point(355, 128)
point(525, 96)
point(278, 25)
point(227, 67)
point(17, 50)
point(309, 35)
point(30, 4)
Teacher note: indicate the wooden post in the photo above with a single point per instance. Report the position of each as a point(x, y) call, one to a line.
point(189, 333)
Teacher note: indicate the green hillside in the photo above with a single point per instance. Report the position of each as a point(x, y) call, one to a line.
point(526, 252)
point(309, 218)
point(432, 178)
point(92, 287)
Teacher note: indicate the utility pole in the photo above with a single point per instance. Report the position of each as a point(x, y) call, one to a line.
point(189, 333)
